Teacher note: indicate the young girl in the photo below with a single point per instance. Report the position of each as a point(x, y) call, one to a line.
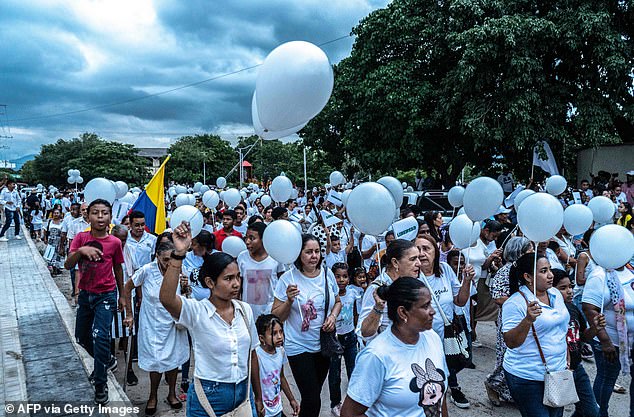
point(578, 330)
point(346, 323)
point(359, 284)
point(36, 221)
point(270, 365)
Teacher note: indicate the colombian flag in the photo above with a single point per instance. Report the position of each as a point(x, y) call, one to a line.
point(151, 201)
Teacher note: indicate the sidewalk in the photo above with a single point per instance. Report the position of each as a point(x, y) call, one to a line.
point(41, 362)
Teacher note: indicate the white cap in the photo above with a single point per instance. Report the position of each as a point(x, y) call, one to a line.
point(502, 210)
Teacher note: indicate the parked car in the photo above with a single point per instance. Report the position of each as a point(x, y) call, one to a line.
point(432, 200)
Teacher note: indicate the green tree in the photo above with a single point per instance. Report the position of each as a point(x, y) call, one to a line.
point(438, 84)
point(93, 156)
point(189, 153)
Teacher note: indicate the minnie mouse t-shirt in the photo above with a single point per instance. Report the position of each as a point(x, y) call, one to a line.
point(97, 276)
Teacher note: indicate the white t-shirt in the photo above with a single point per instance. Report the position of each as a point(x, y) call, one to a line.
point(221, 349)
point(271, 379)
point(554, 260)
point(477, 255)
point(345, 320)
point(258, 281)
point(367, 243)
point(36, 216)
point(333, 258)
point(387, 369)
point(596, 292)
point(445, 287)
point(242, 228)
point(368, 303)
point(142, 249)
point(302, 327)
point(77, 226)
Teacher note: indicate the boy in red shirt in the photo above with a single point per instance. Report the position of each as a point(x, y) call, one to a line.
point(99, 256)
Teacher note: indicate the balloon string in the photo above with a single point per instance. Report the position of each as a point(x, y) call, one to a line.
point(605, 284)
point(509, 235)
point(458, 271)
point(535, 272)
point(378, 255)
point(468, 256)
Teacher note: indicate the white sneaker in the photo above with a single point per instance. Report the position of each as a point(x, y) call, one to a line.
point(3, 239)
point(336, 410)
point(18, 237)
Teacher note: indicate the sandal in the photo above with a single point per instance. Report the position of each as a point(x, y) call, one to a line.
point(174, 406)
point(619, 389)
point(494, 397)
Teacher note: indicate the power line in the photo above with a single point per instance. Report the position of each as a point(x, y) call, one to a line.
point(160, 93)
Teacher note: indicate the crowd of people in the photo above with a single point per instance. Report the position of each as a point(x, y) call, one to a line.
point(402, 314)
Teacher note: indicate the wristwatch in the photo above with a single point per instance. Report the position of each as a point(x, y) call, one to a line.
point(177, 257)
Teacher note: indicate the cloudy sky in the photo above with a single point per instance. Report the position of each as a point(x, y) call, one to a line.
point(79, 56)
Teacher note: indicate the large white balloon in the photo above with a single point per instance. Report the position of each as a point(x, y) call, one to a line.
point(122, 188)
point(233, 245)
point(266, 200)
point(192, 199)
point(521, 196)
point(371, 208)
point(336, 178)
point(556, 184)
point(344, 197)
point(100, 188)
point(455, 196)
point(180, 189)
point(79, 179)
point(281, 188)
point(211, 199)
point(171, 192)
point(482, 198)
point(182, 200)
point(282, 241)
point(268, 134)
point(232, 197)
point(203, 189)
point(463, 231)
point(74, 173)
point(293, 85)
point(577, 219)
point(395, 188)
point(612, 246)
point(221, 182)
point(602, 209)
point(197, 186)
point(540, 217)
point(70, 180)
point(189, 214)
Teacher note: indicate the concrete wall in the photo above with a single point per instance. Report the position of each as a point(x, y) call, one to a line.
point(616, 158)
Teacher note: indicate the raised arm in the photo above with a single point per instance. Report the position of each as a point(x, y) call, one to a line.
point(182, 237)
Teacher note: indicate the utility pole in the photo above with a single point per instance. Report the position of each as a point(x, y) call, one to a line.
point(5, 133)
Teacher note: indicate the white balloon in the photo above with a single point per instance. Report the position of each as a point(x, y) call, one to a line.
point(371, 208)
point(71, 180)
point(189, 214)
point(192, 199)
point(336, 178)
point(282, 241)
point(75, 173)
point(243, 194)
point(404, 185)
point(395, 188)
point(232, 197)
point(79, 180)
point(70, 172)
point(122, 188)
point(482, 198)
point(463, 231)
point(556, 184)
point(211, 199)
point(128, 198)
point(203, 189)
point(612, 246)
point(266, 200)
point(233, 245)
point(182, 200)
point(267, 134)
point(521, 196)
point(136, 194)
point(100, 188)
point(280, 189)
point(293, 85)
point(344, 197)
point(577, 219)
point(410, 189)
point(180, 189)
point(253, 197)
point(294, 194)
point(602, 209)
point(540, 217)
point(197, 186)
point(171, 192)
point(221, 182)
point(455, 196)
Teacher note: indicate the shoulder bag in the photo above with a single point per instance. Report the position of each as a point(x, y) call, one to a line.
point(330, 345)
point(244, 409)
point(457, 353)
point(559, 386)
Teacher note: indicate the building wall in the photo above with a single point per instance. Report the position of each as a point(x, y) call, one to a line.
point(613, 159)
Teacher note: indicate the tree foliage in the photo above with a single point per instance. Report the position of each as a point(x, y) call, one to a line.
point(436, 84)
point(189, 153)
point(93, 156)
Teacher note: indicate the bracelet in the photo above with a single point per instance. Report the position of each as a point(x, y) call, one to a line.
point(173, 255)
point(377, 311)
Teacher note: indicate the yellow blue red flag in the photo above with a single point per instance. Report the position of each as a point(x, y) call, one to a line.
point(151, 201)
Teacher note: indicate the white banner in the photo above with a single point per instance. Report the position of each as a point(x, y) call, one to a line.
point(329, 218)
point(335, 198)
point(549, 164)
point(406, 228)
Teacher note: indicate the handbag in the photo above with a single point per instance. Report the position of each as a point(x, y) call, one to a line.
point(457, 352)
point(330, 345)
point(244, 409)
point(559, 386)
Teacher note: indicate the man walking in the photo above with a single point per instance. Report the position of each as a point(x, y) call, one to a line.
point(12, 206)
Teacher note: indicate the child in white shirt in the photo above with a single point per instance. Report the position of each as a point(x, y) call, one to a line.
point(36, 222)
point(334, 253)
point(270, 363)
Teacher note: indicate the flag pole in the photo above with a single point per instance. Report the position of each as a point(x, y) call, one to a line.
point(305, 175)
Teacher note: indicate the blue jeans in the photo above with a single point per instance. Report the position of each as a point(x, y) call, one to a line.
point(92, 328)
point(349, 343)
point(11, 216)
point(528, 396)
point(223, 397)
point(607, 374)
point(587, 405)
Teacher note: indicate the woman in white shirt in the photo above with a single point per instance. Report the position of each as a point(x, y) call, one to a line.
point(222, 329)
point(543, 308)
point(162, 346)
point(447, 290)
point(300, 302)
point(403, 371)
point(400, 260)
